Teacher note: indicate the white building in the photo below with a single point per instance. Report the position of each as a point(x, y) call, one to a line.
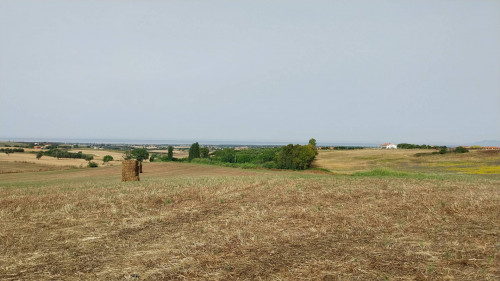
point(388, 146)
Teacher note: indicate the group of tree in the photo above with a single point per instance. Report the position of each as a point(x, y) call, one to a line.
point(162, 157)
point(195, 151)
point(296, 157)
point(257, 156)
point(459, 149)
point(60, 153)
point(347, 147)
point(11, 150)
point(417, 146)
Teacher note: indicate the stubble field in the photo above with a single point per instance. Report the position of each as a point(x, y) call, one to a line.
point(184, 221)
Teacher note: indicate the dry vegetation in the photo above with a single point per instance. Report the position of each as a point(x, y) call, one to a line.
point(192, 222)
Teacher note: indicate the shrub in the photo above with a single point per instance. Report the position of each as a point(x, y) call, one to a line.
point(443, 150)
point(39, 155)
point(204, 152)
point(107, 158)
point(92, 165)
point(248, 166)
point(201, 161)
point(461, 149)
point(269, 165)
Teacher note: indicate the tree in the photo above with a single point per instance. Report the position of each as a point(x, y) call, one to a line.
point(107, 158)
point(140, 154)
point(204, 152)
point(170, 154)
point(39, 155)
point(194, 151)
point(127, 155)
point(312, 142)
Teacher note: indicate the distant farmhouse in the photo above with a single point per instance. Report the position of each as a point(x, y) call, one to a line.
point(388, 146)
point(491, 148)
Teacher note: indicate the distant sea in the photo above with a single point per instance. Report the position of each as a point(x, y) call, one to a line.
point(160, 142)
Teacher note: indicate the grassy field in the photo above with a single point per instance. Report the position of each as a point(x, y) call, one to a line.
point(189, 222)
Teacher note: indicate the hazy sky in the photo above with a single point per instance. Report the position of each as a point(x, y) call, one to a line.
point(338, 71)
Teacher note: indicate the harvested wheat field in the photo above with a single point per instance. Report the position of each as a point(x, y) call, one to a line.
point(190, 222)
point(30, 158)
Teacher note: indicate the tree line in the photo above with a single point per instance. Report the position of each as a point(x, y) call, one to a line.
point(417, 146)
point(60, 153)
point(295, 157)
point(11, 150)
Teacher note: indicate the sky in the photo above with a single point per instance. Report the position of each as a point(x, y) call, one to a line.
point(262, 71)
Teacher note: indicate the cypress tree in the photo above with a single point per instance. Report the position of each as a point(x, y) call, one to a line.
point(170, 154)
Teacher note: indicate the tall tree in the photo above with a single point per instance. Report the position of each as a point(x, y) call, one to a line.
point(170, 154)
point(194, 151)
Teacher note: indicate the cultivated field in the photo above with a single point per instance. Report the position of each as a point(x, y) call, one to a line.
point(409, 160)
point(190, 222)
point(27, 162)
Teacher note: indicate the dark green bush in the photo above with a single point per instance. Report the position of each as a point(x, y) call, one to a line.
point(107, 158)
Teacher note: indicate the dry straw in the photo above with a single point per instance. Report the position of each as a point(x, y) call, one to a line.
point(130, 170)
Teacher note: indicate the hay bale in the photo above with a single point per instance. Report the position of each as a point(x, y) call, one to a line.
point(130, 170)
